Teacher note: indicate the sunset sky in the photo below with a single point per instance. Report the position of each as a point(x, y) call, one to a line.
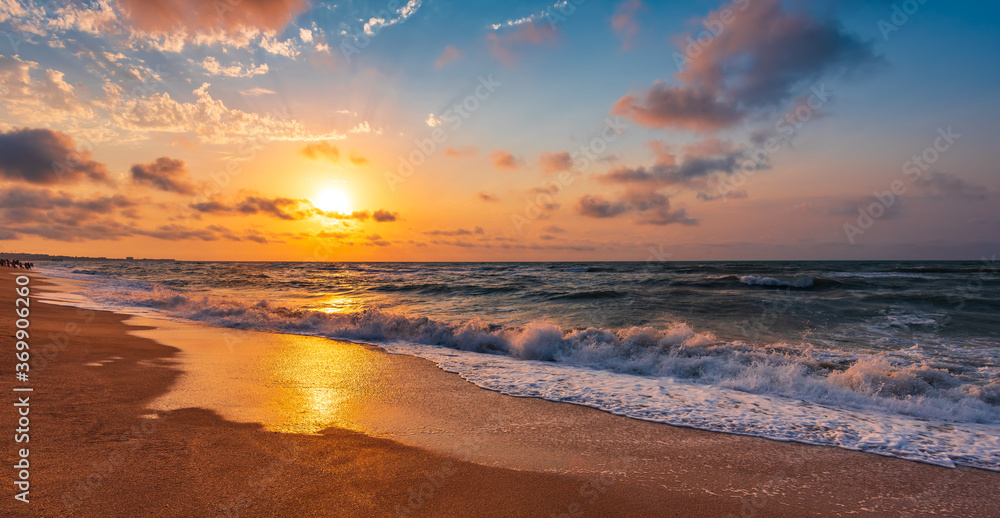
point(444, 130)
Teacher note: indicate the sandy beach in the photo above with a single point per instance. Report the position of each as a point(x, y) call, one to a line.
point(123, 419)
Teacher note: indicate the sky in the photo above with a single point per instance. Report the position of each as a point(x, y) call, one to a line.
point(434, 130)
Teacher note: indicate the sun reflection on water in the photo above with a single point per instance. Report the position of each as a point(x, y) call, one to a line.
point(335, 304)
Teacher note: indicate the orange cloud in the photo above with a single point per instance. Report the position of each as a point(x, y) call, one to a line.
point(505, 160)
point(465, 151)
point(317, 150)
point(358, 160)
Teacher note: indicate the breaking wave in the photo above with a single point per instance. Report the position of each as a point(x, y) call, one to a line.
point(677, 351)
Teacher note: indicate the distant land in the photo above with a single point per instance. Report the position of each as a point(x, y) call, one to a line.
point(47, 257)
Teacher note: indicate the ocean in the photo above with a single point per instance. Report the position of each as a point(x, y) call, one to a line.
point(894, 358)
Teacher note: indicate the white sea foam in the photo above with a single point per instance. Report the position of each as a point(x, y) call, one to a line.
point(682, 403)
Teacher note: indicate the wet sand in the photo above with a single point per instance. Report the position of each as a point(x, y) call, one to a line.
point(170, 419)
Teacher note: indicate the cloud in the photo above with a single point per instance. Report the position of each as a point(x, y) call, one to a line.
point(305, 35)
point(37, 99)
point(166, 174)
point(384, 216)
point(256, 91)
point(649, 208)
point(63, 216)
point(852, 207)
point(761, 60)
point(663, 152)
point(207, 118)
point(487, 197)
point(197, 16)
point(20, 199)
point(624, 21)
point(461, 152)
point(332, 235)
point(449, 54)
point(554, 229)
point(212, 67)
point(654, 209)
point(377, 23)
point(552, 14)
point(286, 48)
point(358, 160)
point(317, 150)
point(597, 207)
point(939, 184)
point(457, 232)
point(506, 46)
point(701, 160)
point(174, 232)
point(505, 160)
point(288, 209)
point(555, 162)
point(433, 120)
point(44, 156)
point(663, 106)
point(365, 127)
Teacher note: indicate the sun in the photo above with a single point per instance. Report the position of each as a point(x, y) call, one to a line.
point(333, 200)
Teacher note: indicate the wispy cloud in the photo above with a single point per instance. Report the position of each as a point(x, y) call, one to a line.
point(375, 24)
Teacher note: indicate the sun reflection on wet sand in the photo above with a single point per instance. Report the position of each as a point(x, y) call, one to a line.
point(301, 384)
point(288, 383)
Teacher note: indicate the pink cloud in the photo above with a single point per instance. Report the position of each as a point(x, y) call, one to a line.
point(506, 45)
point(624, 21)
point(449, 54)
